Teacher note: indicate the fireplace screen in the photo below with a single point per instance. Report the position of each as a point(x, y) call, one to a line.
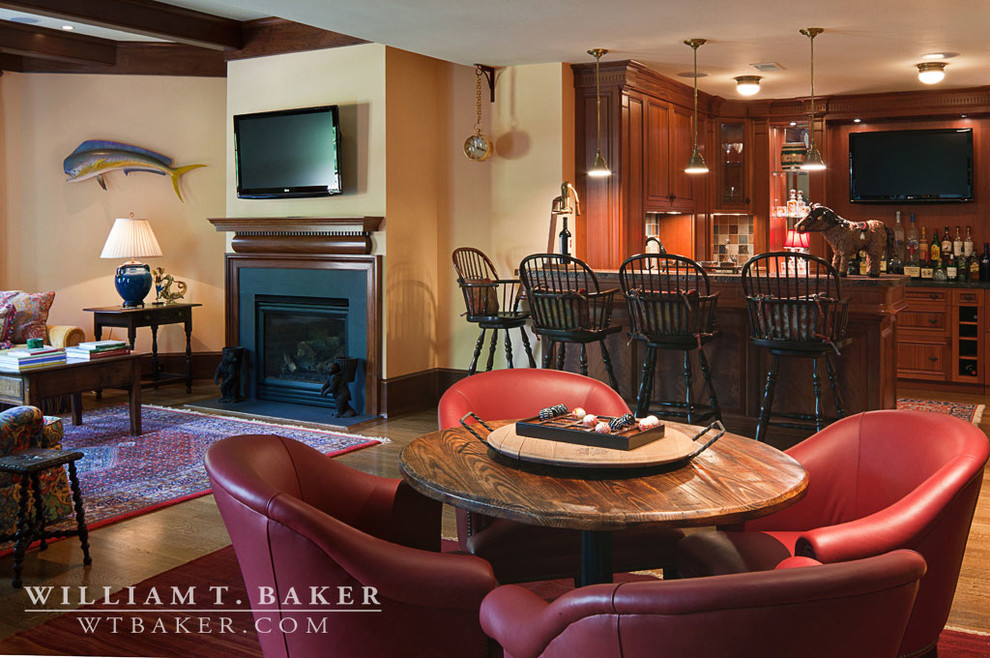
point(299, 340)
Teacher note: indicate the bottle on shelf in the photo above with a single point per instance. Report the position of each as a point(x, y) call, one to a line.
point(985, 263)
point(940, 275)
point(899, 239)
point(957, 243)
point(792, 207)
point(946, 244)
point(962, 269)
point(968, 243)
point(974, 268)
point(861, 257)
point(935, 250)
point(951, 271)
point(912, 260)
point(802, 207)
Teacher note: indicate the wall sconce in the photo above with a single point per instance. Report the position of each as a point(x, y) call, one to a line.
point(931, 72)
point(748, 85)
point(599, 168)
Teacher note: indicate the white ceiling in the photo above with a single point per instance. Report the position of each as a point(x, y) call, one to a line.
point(867, 46)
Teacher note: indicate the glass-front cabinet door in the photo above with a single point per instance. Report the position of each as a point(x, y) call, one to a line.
point(732, 189)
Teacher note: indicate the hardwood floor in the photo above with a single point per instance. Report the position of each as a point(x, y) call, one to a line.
point(130, 551)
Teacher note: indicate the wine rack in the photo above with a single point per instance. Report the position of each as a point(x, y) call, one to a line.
point(967, 336)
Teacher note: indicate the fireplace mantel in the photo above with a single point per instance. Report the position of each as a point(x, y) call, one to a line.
point(299, 235)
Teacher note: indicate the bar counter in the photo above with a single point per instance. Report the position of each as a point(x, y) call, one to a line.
point(866, 369)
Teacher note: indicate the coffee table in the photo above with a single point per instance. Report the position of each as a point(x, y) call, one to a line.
point(736, 479)
point(73, 379)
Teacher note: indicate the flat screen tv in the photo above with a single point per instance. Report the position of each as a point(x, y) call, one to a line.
point(288, 153)
point(911, 166)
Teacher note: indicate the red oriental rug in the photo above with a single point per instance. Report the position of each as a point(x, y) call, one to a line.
point(65, 635)
point(972, 413)
point(123, 476)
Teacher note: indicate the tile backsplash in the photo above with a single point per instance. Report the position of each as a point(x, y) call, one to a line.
point(732, 237)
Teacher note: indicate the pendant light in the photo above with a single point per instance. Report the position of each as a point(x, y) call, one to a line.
point(813, 159)
point(696, 165)
point(599, 168)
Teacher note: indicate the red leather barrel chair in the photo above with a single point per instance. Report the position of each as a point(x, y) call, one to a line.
point(520, 552)
point(298, 519)
point(855, 609)
point(878, 481)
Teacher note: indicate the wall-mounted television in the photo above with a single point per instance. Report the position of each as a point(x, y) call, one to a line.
point(911, 166)
point(288, 153)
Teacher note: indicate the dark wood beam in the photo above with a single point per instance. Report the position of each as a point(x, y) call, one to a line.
point(274, 36)
point(45, 43)
point(11, 63)
point(145, 17)
point(141, 58)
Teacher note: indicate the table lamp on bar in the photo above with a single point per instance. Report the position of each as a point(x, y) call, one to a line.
point(132, 238)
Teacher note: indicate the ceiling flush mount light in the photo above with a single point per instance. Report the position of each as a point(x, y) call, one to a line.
point(599, 168)
point(748, 85)
point(696, 165)
point(931, 72)
point(813, 159)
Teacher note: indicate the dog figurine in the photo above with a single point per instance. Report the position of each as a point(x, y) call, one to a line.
point(847, 238)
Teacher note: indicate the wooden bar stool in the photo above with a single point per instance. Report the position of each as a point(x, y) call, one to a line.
point(568, 307)
point(796, 309)
point(671, 308)
point(492, 303)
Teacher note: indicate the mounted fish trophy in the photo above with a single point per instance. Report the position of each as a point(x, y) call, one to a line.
point(94, 158)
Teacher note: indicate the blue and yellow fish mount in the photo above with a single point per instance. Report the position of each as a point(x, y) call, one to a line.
point(94, 158)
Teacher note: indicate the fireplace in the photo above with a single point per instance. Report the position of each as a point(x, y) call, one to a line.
point(300, 293)
point(299, 338)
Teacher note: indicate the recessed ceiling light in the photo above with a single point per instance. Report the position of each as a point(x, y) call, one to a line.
point(857, 120)
point(68, 28)
point(939, 55)
point(690, 74)
point(962, 116)
point(793, 123)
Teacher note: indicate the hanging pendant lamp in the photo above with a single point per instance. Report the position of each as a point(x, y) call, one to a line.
point(599, 168)
point(696, 165)
point(812, 159)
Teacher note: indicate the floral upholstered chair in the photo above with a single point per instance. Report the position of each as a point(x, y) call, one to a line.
point(22, 428)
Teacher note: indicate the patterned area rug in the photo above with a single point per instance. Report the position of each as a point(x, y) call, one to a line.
point(123, 475)
point(969, 412)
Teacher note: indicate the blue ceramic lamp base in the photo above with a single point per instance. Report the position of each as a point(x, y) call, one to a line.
point(133, 282)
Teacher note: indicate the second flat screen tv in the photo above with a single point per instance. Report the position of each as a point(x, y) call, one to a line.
point(288, 153)
point(911, 166)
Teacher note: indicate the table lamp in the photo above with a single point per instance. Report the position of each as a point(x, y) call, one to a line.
point(796, 241)
point(132, 238)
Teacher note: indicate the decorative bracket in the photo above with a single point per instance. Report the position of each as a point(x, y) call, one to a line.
point(489, 72)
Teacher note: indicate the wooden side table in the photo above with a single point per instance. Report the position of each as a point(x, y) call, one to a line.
point(149, 316)
point(29, 464)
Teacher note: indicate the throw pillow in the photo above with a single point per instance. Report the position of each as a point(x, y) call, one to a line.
point(6, 326)
point(30, 318)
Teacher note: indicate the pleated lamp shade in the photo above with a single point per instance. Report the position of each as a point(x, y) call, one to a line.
point(131, 238)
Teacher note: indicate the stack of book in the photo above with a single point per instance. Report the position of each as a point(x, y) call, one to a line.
point(96, 349)
point(20, 360)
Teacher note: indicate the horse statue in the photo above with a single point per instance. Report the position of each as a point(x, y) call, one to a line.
point(847, 237)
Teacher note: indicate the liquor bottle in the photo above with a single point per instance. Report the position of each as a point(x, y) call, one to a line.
point(968, 243)
point(861, 256)
point(957, 243)
point(802, 207)
point(951, 271)
point(962, 269)
point(940, 275)
point(792, 204)
point(946, 243)
point(974, 268)
point(985, 263)
point(898, 237)
point(935, 249)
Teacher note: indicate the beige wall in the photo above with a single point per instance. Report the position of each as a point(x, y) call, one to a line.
point(52, 231)
point(502, 205)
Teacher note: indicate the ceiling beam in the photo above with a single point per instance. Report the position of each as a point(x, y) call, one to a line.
point(45, 43)
point(154, 19)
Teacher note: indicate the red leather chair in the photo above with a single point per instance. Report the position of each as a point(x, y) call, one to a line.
point(520, 552)
point(856, 609)
point(298, 519)
point(878, 481)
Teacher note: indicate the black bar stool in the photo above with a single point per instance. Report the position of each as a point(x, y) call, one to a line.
point(671, 308)
point(796, 309)
point(492, 303)
point(568, 306)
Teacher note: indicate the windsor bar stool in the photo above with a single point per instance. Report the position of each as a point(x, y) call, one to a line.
point(671, 308)
point(796, 309)
point(492, 303)
point(568, 306)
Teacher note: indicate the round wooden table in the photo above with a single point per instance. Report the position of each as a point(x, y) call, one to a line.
point(736, 479)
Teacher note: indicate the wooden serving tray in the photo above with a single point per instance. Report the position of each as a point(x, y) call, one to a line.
point(568, 428)
point(676, 444)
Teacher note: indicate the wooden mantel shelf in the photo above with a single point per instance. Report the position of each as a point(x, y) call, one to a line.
point(296, 235)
